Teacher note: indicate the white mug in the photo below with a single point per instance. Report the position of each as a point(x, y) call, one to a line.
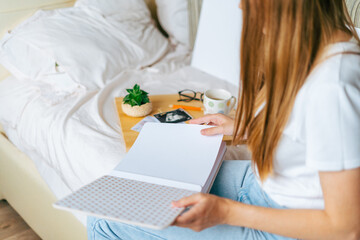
point(218, 101)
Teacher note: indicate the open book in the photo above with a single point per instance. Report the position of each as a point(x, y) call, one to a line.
point(166, 162)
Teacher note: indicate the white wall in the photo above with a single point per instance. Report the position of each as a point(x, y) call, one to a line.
point(217, 45)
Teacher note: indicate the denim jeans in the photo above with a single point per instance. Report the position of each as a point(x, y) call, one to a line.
point(235, 181)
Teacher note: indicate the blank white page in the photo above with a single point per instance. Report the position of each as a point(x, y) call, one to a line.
point(175, 152)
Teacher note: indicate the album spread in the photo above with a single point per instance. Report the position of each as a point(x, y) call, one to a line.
point(167, 162)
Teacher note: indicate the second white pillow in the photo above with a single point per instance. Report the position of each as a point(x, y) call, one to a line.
point(173, 17)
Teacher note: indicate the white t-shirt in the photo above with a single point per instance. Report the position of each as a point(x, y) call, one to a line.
point(323, 131)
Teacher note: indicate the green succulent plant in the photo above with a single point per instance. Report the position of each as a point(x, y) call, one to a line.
point(136, 96)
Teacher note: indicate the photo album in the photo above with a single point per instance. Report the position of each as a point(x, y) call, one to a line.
point(166, 163)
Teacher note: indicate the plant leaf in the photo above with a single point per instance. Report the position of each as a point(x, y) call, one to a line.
point(126, 98)
point(138, 99)
point(133, 102)
point(145, 99)
point(136, 87)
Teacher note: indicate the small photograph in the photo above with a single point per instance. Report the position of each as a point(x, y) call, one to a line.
point(175, 116)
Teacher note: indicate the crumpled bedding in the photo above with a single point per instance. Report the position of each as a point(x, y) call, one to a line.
point(79, 138)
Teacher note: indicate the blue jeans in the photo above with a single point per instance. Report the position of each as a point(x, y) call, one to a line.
point(235, 181)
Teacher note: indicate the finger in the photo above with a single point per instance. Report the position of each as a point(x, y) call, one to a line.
point(185, 220)
point(183, 225)
point(212, 131)
point(189, 217)
point(187, 201)
point(180, 224)
point(205, 119)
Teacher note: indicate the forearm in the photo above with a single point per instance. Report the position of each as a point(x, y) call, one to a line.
point(303, 224)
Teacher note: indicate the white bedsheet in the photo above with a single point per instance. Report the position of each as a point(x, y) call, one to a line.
point(66, 135)
point(80, 138)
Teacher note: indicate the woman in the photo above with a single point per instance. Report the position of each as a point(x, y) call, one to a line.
point(299, 113)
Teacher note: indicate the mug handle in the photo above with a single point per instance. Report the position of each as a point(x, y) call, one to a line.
point(232, 103)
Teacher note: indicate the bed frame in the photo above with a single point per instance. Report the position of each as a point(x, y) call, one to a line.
point(22, 186)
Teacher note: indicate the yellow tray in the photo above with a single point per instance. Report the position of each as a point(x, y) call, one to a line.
point(160, 104)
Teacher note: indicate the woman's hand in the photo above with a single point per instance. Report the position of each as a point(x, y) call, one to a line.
point(207, 210)
point(224, 124)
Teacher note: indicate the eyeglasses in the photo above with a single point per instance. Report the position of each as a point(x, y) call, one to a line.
point(188, 95)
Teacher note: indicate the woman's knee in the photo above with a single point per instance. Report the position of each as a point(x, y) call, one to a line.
point(230, 178)
point(99, 229)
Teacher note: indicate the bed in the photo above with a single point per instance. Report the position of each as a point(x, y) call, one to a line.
point(31, 182)
point(20, 182)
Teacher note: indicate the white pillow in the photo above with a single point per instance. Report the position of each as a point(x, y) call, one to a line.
point(23, 60)
point(92, 44)
point(173, 17)
point(26, 62)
